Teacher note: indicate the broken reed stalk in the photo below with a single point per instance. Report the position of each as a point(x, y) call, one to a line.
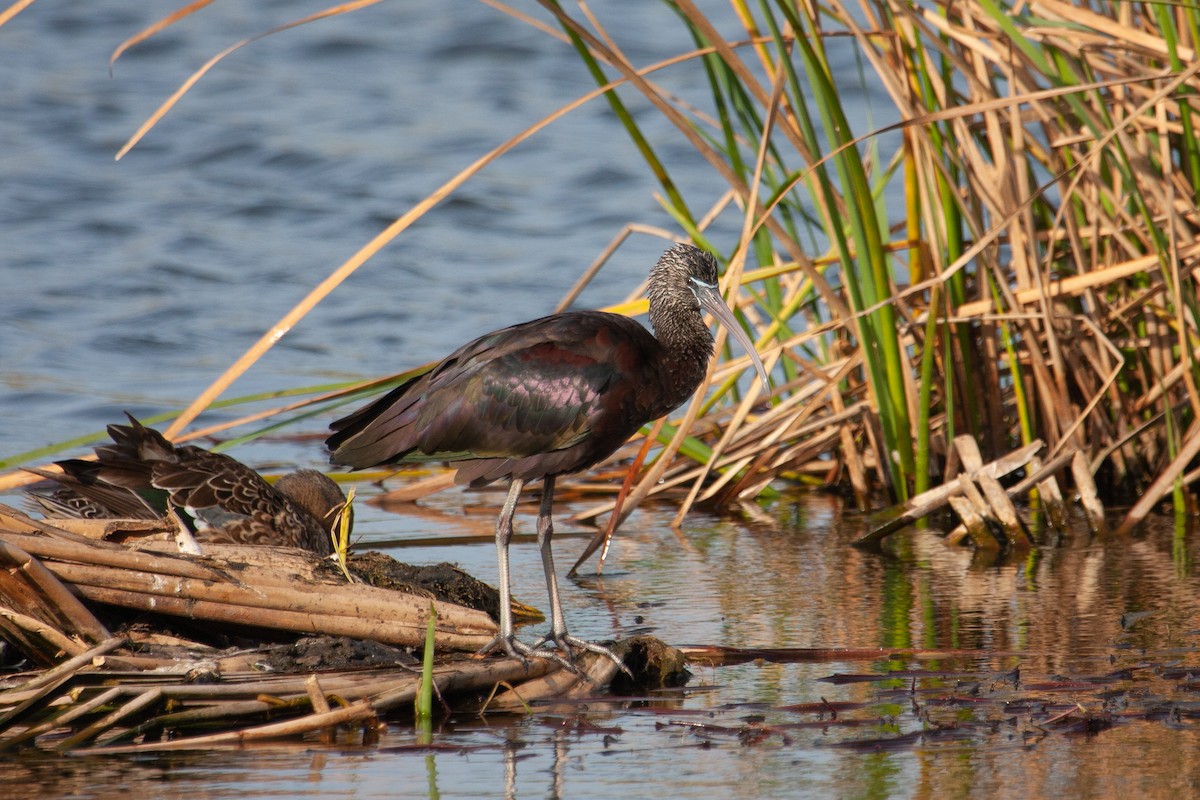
point(361, 601)
point(64, 670)
point(977, 495)
point(62, 720)
point(32, 701)
point(91, 551)
point(47, 597)
point(145, 700)
point(401, 633)
point(44, 643)
point(357, 711)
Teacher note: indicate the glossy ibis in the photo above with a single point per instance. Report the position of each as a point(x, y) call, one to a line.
point(141, 474)
point(546, 398)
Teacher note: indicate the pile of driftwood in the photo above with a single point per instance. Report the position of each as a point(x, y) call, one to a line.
point(142, 648)
point(988, 517)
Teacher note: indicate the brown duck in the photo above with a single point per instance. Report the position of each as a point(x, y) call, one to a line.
point(141, 474)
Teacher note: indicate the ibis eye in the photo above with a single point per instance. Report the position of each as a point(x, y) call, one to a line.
point(702, 284)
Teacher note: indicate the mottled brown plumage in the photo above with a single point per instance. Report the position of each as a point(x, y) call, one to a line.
point(546, 398)
point(141, 473)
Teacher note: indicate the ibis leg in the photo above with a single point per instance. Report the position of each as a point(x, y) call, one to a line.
point(558, 623)
point(504, 531)
point(506, 640)
point(545, 530)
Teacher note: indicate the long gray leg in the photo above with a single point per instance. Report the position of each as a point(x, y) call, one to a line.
point(504, 532)
point(545, 531)
point(558, 622)
point(506, 640)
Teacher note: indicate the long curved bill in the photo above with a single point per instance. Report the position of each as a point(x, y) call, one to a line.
point(712, 302)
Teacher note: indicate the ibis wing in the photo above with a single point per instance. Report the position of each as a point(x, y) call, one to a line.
point(513, 403)
point(532, 388)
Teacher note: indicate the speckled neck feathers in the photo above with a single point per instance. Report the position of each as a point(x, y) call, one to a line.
point(677, 321)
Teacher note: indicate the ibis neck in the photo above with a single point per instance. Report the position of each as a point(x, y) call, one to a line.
point(687, 347)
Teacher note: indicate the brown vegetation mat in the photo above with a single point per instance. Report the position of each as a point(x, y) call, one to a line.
point(245, 643)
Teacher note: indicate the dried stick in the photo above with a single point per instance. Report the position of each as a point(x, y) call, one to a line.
point(64, 609)
point(62, 720)
point(355, 712)
point(67, 668)
point(367, 602)
point(142, 701)
point(387, 631)
point(928, 502)
point(110, 555)
point(43, 631)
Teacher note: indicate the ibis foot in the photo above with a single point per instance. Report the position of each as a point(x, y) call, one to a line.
point(565, 642)
point(517, 649)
